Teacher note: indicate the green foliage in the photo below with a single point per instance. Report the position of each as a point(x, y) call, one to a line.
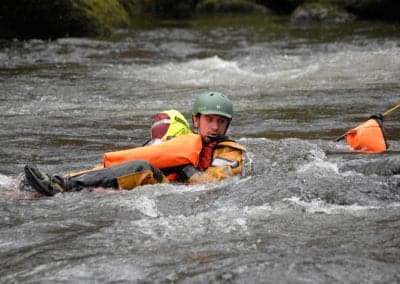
point(99, 16)
point(132, 7)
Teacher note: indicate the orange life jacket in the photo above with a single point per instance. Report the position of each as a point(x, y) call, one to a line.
point(368, 137)
point(179, 151)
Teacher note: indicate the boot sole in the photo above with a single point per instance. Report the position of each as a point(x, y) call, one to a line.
point(32, 176)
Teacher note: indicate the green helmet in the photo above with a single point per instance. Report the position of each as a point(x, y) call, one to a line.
point(213, 103)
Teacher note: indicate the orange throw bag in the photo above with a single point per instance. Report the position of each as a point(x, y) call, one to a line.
point(368, 137)
point(178, 151)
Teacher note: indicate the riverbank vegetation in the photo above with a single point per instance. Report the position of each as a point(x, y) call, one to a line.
point(53, 19)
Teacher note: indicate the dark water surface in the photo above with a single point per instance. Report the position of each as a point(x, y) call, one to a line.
point(308, 211)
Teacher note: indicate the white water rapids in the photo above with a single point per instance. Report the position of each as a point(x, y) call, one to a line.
point(307, 211)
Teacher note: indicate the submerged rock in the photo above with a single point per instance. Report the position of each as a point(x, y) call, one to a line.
point(317, 12)
point(382, 167)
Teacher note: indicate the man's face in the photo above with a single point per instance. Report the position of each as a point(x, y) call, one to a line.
point(210, 125)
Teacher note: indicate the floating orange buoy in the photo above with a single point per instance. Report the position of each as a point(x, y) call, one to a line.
point(368, 137)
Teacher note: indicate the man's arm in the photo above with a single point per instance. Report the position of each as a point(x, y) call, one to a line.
point(228, 161)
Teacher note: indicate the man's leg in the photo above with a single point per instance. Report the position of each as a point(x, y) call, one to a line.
point(123, 176)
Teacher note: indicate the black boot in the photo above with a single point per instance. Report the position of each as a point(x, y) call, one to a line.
point(43, 183)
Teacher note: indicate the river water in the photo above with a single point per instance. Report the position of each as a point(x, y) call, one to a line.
point(307, 211)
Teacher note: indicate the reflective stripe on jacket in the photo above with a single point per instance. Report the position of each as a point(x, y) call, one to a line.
point(227, 161)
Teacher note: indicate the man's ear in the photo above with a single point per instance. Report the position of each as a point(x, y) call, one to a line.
point(195, 120)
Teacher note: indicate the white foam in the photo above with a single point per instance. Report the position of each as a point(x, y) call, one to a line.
point(319, 166)
point(147, 206)
point(6, 181)
point(327, 67)
point(320, 206)
point(196, 72)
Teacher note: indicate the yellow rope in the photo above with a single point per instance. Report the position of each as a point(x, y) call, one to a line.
point(391, 110)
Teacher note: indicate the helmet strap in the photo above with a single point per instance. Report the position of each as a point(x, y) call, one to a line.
point(227, 126)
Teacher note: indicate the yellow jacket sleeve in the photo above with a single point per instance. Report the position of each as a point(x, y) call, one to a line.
point(227, 161)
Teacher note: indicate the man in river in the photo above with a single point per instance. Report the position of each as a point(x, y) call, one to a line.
point(193, 158)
